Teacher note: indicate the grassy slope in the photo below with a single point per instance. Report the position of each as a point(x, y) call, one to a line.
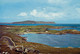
point(41, 47)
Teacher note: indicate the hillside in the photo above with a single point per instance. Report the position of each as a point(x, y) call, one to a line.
point(31, 47)
point(33, 22)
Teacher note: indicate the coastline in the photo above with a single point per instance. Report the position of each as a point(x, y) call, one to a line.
point(45, 49)
point(57, 33)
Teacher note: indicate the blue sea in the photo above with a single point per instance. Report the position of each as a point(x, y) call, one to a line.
point(71, 25)
point(67, 40)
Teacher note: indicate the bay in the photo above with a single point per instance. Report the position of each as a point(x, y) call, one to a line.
point(68, 40)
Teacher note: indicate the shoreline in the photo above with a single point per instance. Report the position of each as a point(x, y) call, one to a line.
point(45, 44)
point(45, 33)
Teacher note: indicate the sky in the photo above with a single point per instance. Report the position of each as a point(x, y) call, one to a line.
point(59, 11)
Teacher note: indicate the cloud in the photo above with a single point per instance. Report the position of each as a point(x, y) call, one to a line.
point(43, 14)
point(78, 10)
point(56, 14)
point(22, 14)
point(34, 12)
point(58, 1)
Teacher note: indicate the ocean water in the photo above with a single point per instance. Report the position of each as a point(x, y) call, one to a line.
point(68, 40)
point(70, 25)
point(75, 28)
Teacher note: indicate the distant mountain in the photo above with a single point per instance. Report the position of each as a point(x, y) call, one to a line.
point(33, 22)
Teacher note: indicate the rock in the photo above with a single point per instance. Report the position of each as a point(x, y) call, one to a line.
point(70, 47)
point(58, 33)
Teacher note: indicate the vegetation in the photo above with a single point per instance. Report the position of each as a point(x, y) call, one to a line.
point(41, 29)
point(12, 31)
